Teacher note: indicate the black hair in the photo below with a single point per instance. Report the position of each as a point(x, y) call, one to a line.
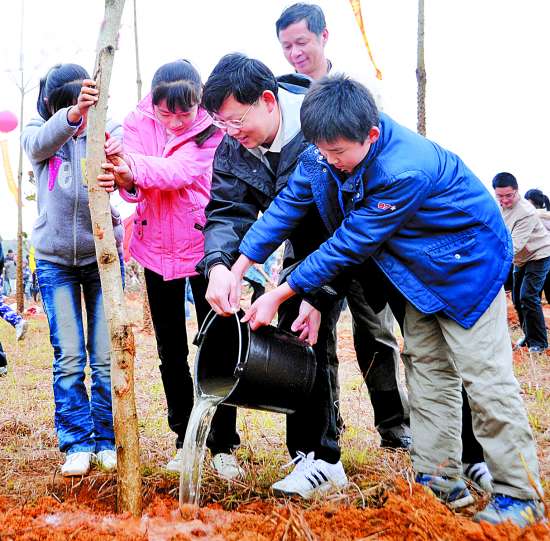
point(239, 76)
point(537, 197)
point(179, 83)
point(311, 13)
point(505, 180)
point(338, 107)
point(61, 86)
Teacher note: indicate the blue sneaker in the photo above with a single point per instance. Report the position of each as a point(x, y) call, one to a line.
point(502, 508)
point(451, 491)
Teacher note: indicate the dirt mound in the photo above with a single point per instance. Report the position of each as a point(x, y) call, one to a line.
point(408, 512)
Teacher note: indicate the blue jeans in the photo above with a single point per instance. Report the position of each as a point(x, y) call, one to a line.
point(528, 284)
point(82, 423)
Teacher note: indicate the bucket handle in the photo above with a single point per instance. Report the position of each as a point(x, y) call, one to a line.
point(208, 320)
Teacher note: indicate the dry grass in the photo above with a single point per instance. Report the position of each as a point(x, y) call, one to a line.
point(29, 459)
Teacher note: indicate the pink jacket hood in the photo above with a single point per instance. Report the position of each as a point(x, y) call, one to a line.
point(172, 187)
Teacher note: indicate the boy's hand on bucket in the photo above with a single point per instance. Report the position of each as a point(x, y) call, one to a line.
point(307, 323)
point(224, 291)
point(263, 311)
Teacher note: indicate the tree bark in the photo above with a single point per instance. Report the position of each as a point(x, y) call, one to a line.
point(19, 296)
point(121, 335)
point(138, 72)
point(421, 73)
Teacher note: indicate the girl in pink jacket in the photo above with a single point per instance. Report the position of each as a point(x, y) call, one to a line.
point(169, 146)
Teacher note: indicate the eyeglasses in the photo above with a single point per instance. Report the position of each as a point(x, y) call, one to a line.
point(230, 124)
point(500, 197)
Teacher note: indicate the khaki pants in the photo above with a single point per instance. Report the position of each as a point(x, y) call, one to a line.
point(438, 354)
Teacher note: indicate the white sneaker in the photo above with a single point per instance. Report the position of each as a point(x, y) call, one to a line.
point(310, 477)
point(479, 475)
point(21, 329)
point(106, 460)
point(175, 464)
point(226, 466)
point(76, 464)
point(3, 370)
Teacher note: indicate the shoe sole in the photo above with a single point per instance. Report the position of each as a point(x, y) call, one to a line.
point(323, 489)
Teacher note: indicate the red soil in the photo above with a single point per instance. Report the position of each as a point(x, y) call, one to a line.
point(407, 513)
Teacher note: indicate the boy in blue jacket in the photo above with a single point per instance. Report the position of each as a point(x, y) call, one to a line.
point(436, 233)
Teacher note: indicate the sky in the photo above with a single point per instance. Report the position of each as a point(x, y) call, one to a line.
point(488, 88)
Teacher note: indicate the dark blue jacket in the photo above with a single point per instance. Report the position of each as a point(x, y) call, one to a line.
point(424, 217)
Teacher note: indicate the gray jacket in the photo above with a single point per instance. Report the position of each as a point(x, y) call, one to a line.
point(10, 268)
point(62, 232)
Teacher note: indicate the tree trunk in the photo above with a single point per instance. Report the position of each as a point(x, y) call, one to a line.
point(421, 73)
point(138, 72)
point(20, 298)
point(122, 338)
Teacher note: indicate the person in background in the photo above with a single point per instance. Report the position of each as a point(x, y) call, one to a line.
point(166, 168)
point(188, 299)
point(10, 273)
point(26, 278)
point(531, 260)
point(67, 269)
point(542, 204)
point(389, 194)
point(10, 316)
point(3, 358)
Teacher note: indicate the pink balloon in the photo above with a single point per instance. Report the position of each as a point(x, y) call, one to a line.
point(8, 121)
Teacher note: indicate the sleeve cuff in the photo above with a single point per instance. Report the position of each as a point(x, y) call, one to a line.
point(73, 124)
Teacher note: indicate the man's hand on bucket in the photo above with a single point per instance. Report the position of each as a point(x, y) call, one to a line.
point(224, 291)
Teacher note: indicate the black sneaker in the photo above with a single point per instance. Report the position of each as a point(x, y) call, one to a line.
point(396, 437)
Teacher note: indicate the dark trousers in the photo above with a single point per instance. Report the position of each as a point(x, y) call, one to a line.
point(167, 302)
point(313, 427)
point(3, 358)
point(385, 291)
point(528, 284)
point(378, 358)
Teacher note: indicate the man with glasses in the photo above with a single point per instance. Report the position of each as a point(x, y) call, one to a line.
point(261, 117)
point(531, 260)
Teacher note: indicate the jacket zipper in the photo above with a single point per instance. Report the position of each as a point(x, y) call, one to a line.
point(75, 161)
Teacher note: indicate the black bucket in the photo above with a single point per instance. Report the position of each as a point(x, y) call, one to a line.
point(267, 369)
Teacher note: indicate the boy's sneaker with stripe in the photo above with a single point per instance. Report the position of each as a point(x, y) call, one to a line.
point(521, 512)
point(450, 490)
point(310, 477)
point(479, 475)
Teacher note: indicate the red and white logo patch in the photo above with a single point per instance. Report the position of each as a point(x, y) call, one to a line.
point(385, 206)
